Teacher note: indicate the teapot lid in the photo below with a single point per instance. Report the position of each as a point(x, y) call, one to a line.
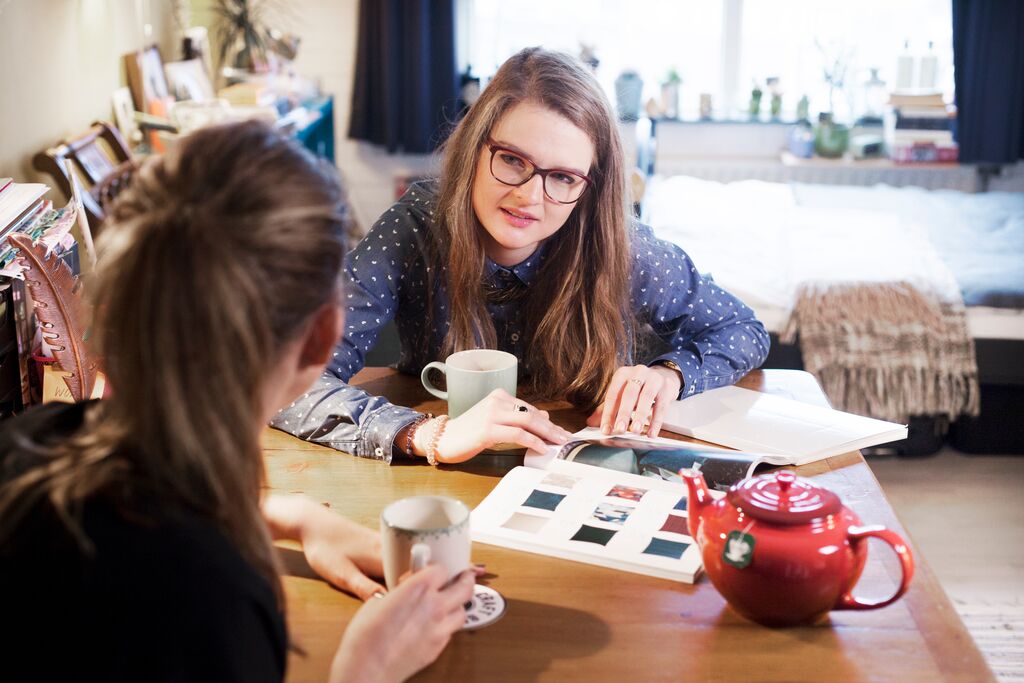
point(783, 498)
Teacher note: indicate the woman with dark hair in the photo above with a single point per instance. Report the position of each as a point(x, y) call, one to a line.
point(136, 542)
point(526, 244)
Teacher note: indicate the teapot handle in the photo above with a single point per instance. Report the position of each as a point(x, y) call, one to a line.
point(860, 534)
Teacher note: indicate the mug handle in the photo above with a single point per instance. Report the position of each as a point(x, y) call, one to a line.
point(860, 534)
point(440, 367)
point(419, 557)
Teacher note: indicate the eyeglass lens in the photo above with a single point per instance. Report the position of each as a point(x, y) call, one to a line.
point(560, 186)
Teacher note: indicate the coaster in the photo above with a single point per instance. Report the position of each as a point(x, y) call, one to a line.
point(484, 609)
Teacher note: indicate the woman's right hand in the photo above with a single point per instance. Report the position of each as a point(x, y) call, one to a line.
point(393, 637)
point(498, 418)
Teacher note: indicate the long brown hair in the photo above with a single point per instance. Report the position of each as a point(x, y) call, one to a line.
point(212, 261)
point(581, 329)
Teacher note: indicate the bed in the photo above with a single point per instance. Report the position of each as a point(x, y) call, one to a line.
point(760, 239)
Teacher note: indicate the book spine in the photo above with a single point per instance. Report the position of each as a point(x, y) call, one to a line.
point(935, 136)
point(24, 317)
point(923, 153)
point(922, 123)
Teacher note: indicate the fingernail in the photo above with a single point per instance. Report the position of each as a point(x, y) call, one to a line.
point(620, 427)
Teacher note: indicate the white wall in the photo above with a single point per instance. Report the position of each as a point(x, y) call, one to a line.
point(59, 62)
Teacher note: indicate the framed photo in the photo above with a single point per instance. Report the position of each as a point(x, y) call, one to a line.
point(145, 72)
point(188, 80)
point(124, 113)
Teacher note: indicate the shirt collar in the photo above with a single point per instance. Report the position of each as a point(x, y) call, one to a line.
point(525, 271)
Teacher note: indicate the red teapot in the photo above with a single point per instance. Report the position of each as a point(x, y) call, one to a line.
point(783, 551)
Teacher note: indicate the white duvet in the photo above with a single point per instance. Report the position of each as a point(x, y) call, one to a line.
point(760, 245)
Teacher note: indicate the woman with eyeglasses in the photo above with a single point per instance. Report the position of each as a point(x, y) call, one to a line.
point(526, 244)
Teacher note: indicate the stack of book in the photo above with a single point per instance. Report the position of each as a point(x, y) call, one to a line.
point(920, 129)
point(23, 209)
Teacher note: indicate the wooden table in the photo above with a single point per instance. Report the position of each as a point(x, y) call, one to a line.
point(567, 620)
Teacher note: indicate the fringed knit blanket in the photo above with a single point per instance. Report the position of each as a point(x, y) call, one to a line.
point(887, 349)
point(878, 314)
point(881, 322)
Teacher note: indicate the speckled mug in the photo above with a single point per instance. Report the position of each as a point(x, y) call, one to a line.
point(424, 530)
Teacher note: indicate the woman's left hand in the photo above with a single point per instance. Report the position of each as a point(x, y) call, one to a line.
point(636, 400)
point(344, 553)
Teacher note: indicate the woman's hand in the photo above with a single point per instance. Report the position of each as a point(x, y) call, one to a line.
point(499, 418)
point(636, 400)
point(393, 637)
point(344, 553)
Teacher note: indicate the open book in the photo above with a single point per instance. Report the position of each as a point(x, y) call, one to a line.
point(612, 501)
point(755, 421)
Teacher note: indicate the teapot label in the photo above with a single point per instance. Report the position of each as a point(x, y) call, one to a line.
point(739, 549)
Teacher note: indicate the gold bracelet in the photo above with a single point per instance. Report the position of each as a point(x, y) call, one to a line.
point(442, 422)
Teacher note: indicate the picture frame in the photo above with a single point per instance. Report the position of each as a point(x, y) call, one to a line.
point(188, 80)
point(144, 70)
point(124, 112)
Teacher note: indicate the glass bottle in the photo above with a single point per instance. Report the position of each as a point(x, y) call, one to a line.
point(875, 96)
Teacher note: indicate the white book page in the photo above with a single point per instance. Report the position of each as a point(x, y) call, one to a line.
point(755, 421)
point(586, 514)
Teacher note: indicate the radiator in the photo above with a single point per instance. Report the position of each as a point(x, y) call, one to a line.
point(963, 178)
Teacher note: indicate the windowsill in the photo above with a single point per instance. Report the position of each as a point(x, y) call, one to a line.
point(727, 122)
point(848, 161)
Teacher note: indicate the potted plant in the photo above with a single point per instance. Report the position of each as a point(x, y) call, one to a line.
point(670, 94)
point(242, 34)
point(831, 138)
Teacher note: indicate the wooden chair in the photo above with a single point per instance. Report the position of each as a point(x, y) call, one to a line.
point(100, 171)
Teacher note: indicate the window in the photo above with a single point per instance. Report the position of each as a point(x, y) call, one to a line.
point(720, 47)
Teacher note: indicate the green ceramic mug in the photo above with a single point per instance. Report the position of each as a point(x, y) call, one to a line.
point(471, 375)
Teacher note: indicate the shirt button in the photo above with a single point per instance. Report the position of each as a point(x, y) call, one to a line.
point(515, 336)
point(379, 452)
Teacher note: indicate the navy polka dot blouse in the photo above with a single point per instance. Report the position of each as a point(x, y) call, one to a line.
point(709, 334)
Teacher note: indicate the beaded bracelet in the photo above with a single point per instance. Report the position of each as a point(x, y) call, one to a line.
point(412, 430)
point(442, 422)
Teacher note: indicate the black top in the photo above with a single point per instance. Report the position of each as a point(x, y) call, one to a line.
point(163, 597)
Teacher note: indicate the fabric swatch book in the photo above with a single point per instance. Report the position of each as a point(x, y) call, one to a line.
point(616, 502)
point(755, 421)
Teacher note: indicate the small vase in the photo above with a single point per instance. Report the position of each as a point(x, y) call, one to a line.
point(670, 99)
point(628, 92)
point(830, 138)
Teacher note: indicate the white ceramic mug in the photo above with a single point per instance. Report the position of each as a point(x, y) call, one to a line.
point(424, 530)
point(471, 375)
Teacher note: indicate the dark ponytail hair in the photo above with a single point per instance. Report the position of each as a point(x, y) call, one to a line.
point(214, 259)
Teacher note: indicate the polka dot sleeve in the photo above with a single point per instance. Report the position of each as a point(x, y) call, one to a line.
point(712, 336)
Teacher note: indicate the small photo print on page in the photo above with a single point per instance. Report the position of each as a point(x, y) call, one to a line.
point(593, 534)
point(564, 481)
point(531, 524)
point(543, 500)
point(676, 524)
point(627, 493)
point(610, 512)
point(672, 549)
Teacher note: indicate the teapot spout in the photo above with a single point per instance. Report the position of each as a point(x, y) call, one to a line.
point(698, 499)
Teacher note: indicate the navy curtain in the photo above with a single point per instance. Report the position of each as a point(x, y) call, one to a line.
point(406, 83)
point(988, 56)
